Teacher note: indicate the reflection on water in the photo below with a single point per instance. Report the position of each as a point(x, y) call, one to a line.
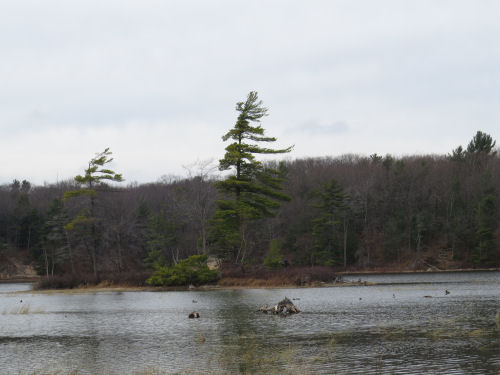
point(389, 329)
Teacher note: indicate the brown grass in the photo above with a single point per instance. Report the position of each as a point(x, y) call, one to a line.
point(72, 281)
point(253, 282)
point(261, 277)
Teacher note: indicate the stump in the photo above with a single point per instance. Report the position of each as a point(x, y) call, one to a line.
point(284, 307)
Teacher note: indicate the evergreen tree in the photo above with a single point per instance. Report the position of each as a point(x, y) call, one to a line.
point(94, 178)
point(253, 191)
point(326, 227)
point(162, 241)
point(481, 142)
point(457, 154)
point(55, 245)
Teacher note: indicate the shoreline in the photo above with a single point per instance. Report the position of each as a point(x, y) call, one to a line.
point(395, 272)
point(250, 284)
point(114, 289)
point(20, 280)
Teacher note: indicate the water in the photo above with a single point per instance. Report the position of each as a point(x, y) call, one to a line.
point(390, 328)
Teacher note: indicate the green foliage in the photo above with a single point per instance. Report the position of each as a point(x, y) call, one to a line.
point(332, 209)
point(225, 228)
point(480, 145)
point(273, 259)
point(481, 142)
point(155, 260)
point(95, 175)
point(375, 158)
point(192, 270)
point(81, 220)
point(253, 191)
point(458, 154)
point(161, 232)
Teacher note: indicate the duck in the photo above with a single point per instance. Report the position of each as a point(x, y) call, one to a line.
point(194, 315)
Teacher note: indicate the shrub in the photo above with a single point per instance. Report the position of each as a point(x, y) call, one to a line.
point(192, 270)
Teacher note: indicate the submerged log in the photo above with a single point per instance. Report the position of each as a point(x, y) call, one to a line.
point(284, 307)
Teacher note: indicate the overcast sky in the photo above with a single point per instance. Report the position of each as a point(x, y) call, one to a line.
point(157, 81)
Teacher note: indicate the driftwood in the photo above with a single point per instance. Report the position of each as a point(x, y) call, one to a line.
point(284, 307)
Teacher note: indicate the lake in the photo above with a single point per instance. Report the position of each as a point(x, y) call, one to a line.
point(406, 324)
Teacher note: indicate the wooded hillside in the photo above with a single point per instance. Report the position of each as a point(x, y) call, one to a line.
point(410, 212)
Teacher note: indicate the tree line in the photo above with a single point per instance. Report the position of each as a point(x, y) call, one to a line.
point(412, 212)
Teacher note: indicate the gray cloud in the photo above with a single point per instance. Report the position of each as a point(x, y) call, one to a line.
point(412, 76)
point(314, 127)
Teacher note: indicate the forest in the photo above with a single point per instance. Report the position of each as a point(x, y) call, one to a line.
point(350, 212)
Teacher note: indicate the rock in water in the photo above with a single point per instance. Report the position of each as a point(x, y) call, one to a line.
point(193, 315)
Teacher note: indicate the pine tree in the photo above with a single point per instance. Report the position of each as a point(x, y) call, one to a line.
point(481, 142)
point(254, 190)
point(332, 212)
point(55, 245)
point(95, 177)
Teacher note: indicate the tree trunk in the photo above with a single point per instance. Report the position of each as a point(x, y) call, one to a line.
point(29, 237)
point(46, 262)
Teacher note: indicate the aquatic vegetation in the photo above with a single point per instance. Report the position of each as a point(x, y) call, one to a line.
point(395, 334)
point(200, 338)
point(339, 337)
point(22, 310)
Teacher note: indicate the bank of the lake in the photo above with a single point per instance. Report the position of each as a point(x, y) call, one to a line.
point(334, 279)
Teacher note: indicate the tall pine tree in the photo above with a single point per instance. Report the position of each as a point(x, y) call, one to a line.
point(253, 191)
point(326, 226)
point(95, 177)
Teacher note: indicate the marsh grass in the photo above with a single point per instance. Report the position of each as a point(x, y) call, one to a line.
point(338, 338)
point(76, 372)
point(253, 360)
point(251, 355)
point(394, 335)
point(200, 338)
point(22, 310)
